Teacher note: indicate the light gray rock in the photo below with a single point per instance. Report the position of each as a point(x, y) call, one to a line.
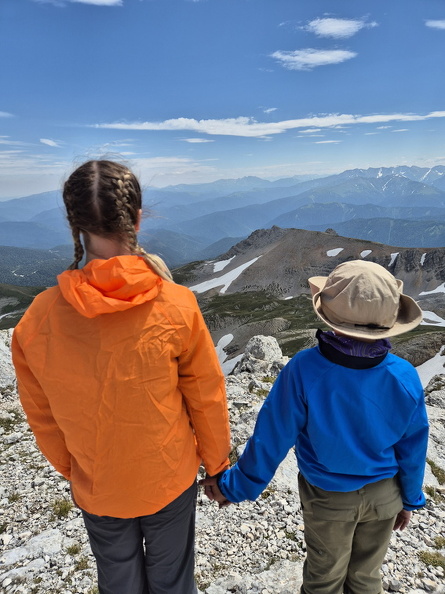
point(262, 356)
point(48, 542)
point(265, 348)
point(7, 374)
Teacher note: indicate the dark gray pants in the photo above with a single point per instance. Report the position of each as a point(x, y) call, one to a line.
point(165, 565)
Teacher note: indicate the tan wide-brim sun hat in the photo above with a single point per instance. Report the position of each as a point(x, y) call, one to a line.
point(364, 300)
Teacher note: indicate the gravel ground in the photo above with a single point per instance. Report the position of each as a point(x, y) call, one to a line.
point(253, 547)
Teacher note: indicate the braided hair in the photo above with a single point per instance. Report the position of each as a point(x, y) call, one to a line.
point(104, 198)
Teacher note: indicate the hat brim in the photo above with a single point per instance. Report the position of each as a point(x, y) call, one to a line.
point(409, 315)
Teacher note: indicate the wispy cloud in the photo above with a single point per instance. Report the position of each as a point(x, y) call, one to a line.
point(5, 114)
point(100, 2)
point(49, 142)
point(327, 141)
point(196, 140)
point(23, 163)
point(93, 2)
point(269, 109)
point(337, 28)
point(436, 24)
point(6, 140)
point(309, 58)
point(160, 171)
point(249, 127)
point(310, 131)
point(401, 130)
point(383, 127)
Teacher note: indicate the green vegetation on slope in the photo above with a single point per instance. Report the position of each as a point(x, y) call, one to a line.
point(259, 306)
point(241, 309)
point(13, 303)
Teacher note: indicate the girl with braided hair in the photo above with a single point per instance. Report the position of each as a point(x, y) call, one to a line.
point(120, 382)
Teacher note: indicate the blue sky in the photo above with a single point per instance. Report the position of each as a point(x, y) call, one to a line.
point(189, 91)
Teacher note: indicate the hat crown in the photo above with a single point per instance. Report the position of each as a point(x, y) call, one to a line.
point(363, 300)
point(361, 294)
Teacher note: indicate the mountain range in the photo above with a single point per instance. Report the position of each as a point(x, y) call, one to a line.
point(259, 286)
point(403, 206)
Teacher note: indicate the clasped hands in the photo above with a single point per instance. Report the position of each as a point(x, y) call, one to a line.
point(211, 489)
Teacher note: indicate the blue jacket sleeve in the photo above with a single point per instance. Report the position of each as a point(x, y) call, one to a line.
point(280, 419)
point(411, 456)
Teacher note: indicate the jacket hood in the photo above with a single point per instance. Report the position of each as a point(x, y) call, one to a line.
point(108, 286)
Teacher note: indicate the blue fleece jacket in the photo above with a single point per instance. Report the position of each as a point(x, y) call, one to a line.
point(349, 427)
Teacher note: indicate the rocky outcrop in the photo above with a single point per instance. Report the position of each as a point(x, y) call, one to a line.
point(417, 350)
point(7, 376)
point(250, 548)
point(262, 355)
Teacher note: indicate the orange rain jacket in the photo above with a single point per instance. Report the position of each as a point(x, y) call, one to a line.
point(120, 381)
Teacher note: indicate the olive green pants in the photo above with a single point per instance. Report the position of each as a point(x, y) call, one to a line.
point(347, 536)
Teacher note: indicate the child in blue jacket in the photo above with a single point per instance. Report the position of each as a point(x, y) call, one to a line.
point(356, 415)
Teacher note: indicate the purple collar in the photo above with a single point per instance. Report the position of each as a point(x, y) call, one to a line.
point(354, 347)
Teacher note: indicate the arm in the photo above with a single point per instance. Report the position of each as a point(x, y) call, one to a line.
point(49, 437)
point(201, 382)
point(280, 419)
point(411, 456)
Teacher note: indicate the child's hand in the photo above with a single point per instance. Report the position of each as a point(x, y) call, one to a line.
point(212, 491)
point(402, 520)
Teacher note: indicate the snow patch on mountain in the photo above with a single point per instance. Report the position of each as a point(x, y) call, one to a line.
point(393, 258)
point(432, 319)
point(334, 252)
point(226, 280)
point(365, 253)
point(229, 366)
point(422, 259)
point(218, 266)
point(431, 367)
point(222, 343)
point(439, 289)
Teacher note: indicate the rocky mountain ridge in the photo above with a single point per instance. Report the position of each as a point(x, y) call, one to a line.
point(250, 548)
point(281, 260)
point(260, 285)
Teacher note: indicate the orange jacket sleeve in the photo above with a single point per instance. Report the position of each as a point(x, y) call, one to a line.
point(49, 437)
point(201, 382)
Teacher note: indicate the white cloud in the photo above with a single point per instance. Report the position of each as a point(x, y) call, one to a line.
point(401, 130)
point(93, 2)
point(310, 131)
point(436, 24)
point(327, 141)
point(49, 142)
point(269, 109)
point(5, 114)
point(196, 140)
point(251, 128)
point(337, 28)
point(309, 58)
point(383, 127)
